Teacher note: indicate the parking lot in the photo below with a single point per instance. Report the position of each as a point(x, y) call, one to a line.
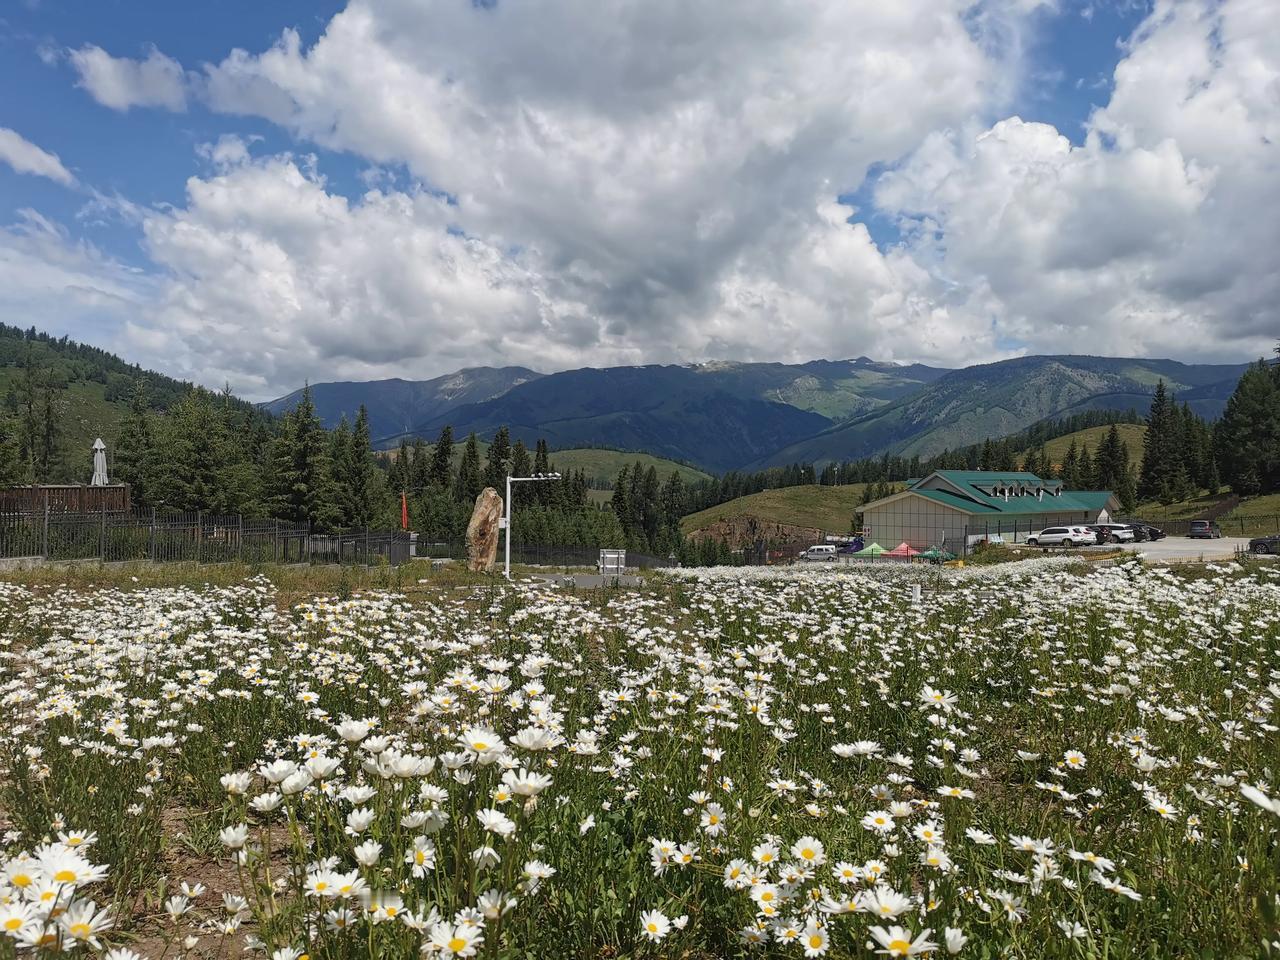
point(1184, 548)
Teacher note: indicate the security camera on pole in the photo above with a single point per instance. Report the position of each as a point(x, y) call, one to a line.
point(505, 522)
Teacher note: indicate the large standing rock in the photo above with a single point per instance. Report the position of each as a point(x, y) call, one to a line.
point(482, 531)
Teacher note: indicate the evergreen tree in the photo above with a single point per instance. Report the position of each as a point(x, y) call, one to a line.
point(303, 478)
point(1247, 438)
point(521, 465)
point(498, 462)
point(341, 465)
point(469, 482)
point(419, 465)
point(441, 471)
point(11, 468)
point(363, 477)
point(134, 453)
point(1164, 474)
point(1069, 472)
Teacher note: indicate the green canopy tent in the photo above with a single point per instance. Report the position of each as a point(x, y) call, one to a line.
point(936, 555)
point(873, 550)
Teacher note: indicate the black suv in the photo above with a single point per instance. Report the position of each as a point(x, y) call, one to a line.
point(1204, 530)
point(1268, 544)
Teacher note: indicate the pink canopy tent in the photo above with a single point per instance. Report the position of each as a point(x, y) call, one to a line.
point(903, 549)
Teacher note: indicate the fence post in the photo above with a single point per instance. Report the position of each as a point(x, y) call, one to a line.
point(275, 543)
point(102, 532)
point(368, 561)
point(240, 537)
point(44, 534)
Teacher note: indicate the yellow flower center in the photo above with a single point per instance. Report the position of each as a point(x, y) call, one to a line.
point(457, 944)
point(815, 941)
point(807, 854)
point(21, 880)
point(65, 876)
point(652, 927)
point(479, 745)
point(79, 930)
point(899, 946)
point(321, 885)
point(13, 923)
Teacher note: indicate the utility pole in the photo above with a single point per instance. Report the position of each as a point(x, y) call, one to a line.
point(505, 522)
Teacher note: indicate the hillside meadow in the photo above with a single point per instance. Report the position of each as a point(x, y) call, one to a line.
point(826, 508)
point(1033, 760)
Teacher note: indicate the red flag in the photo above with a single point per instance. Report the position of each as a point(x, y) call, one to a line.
point(404, 512)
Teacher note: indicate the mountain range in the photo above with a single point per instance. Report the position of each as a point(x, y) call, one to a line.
point(729, 416)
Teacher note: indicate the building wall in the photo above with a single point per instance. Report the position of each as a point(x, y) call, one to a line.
point(924, 523)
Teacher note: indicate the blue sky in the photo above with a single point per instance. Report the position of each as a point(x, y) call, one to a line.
point(594, 215)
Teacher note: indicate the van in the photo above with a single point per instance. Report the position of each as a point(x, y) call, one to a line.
point(819, 552)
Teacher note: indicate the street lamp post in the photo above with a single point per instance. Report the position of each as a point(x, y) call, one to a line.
point(506, 521)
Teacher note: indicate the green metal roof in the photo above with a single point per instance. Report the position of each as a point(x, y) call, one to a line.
point(973, 499)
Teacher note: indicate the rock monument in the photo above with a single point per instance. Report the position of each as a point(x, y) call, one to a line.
point(482, 531)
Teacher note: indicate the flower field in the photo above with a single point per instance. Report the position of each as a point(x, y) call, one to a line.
point(1030, 761)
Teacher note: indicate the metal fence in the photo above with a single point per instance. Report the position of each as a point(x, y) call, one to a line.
point(541, 555)
point(192, 537)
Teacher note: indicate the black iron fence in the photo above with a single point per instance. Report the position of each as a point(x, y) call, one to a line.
point(193, 537)
point(542, 555)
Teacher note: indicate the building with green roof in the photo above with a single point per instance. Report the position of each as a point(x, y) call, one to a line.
point(957, 508)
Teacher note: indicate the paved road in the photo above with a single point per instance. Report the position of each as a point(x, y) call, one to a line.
point(1184, 548)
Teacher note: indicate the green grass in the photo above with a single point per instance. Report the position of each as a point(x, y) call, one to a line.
point(812, 505)
point(1182, 510)
point(1092, 437)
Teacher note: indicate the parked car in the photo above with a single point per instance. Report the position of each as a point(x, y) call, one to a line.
point(1267, 544)
point(1204, 530)
point(1144, 531)
point(820, 551)
point(851, 546)
point(1100, 532)
point(1120, 532)
point(1062, 537)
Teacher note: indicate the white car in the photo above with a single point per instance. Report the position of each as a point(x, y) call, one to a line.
point(819, 552)
point(1062, 537)
point(1120, 532)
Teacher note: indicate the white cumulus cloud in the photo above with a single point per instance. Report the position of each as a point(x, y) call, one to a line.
point(122, 82)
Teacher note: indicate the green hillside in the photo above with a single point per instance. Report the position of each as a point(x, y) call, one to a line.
point(602, 466)
point(1092, 437)
point(811, 505)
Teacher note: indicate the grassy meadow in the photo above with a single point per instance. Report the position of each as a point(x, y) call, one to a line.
point(808, 505)
point(1034, 760)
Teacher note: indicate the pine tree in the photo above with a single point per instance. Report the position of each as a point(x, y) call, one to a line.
point(521, 465)
point(1164, 474)
point(340, 463)
point(442, 459)
point(419, 466)
point(303, 475)
point(11, 471)
point(134, 461)
point(498, 462)
point(1247, 438)
point(1069, 472)
point(469, 482)
point(363, 478)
